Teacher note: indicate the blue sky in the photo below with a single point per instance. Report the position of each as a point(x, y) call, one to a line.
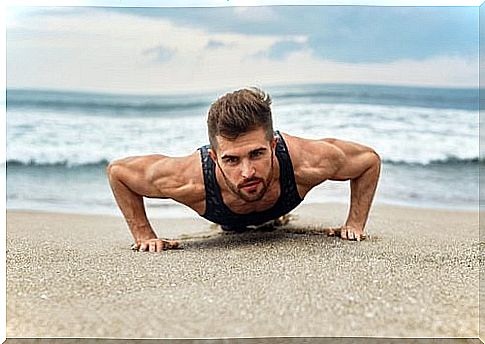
point(176, 49)
point(342, 33)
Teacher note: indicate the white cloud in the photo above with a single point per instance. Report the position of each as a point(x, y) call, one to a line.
point(106, 51)
point(437, 72)
point(255, 14)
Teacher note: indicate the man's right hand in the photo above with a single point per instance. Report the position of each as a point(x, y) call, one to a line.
point(155, 245)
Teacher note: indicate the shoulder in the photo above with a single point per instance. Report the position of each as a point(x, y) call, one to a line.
point(164, 176)
point(153, 166)
point(310, 153)
point(182, 168)
point(313, 160)
point(182, 176)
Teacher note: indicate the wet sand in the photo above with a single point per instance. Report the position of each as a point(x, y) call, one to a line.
point(75, 276)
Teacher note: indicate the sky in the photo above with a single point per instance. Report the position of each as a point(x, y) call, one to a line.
point(170, 50)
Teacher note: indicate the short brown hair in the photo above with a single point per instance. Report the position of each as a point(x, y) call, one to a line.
point(238, 112)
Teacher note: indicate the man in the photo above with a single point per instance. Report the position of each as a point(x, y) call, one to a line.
point(247, 176)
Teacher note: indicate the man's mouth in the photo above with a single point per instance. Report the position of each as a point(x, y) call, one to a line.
point(250, 186)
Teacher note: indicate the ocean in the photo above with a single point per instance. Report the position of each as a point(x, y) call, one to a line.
point(59, 143)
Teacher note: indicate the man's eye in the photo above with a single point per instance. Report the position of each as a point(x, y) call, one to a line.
point(230, 160)
point(257, 154)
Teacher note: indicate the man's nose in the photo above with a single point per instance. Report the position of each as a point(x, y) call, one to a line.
point(247, 169)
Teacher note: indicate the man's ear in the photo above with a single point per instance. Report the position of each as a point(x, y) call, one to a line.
point(213, 155)
point(274, 142)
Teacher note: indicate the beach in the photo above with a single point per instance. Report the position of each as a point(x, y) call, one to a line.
point(90, 85)
point(416, 275)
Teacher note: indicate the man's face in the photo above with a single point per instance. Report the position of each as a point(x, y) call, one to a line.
point(246, 163)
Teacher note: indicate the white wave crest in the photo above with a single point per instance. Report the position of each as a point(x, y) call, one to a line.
point(397, 133)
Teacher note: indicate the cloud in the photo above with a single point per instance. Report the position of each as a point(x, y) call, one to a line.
point(354, 34)
point(304, 67)
point(160, 53)
point(281, 49)
point(216, 44)
point(116, 52)
point(372, 35)
point(260, 14)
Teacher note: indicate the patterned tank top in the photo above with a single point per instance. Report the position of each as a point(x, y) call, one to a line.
point(216, 211)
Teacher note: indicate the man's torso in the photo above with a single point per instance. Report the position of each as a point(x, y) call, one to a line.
point(192, 191)
point(226, 208)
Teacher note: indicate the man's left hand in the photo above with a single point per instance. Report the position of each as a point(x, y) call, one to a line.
point(349, 232)
point(155, 245)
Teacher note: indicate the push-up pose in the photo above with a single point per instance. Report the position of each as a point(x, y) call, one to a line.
point(248, 175)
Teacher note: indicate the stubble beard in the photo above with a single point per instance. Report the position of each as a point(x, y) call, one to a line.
point(251, 197)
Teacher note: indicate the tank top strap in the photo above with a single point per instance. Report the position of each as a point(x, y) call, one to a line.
point(287, 176)
point(214, 202)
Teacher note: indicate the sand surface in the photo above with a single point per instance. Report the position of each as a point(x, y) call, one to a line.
point(75, 276)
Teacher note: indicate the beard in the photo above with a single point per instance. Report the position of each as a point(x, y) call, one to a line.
point(255, 195)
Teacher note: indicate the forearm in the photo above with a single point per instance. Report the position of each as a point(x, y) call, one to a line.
point(362, 190)
point(133, 209)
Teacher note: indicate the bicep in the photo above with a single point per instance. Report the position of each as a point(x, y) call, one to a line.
point(354, 160)
point(139, 174)
point(332, 159)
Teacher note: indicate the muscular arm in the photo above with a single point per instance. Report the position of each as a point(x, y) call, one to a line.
point(332, 159)
point(362, 166)
point(155, 176)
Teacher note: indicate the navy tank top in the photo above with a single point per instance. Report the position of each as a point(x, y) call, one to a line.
point(216, 211)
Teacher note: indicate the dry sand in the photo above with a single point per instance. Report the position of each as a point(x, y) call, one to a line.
point(75, 276)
